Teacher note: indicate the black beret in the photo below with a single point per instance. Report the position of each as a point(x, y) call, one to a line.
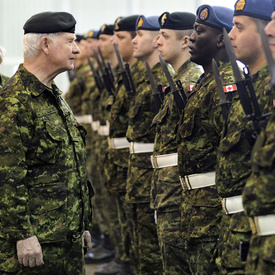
point(50, 22)
point(126, 23)
point(177, 20)
point(106, 29)
point(79, 37)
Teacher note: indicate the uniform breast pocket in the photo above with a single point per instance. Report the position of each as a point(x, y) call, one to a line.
point(186, 129)
point(230, 141)
point(49, 140)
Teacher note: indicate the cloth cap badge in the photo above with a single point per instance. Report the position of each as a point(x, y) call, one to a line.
point(240, 5)
point(103, 28)
point(163, 18)
point(204, 14)
point(116, 23)
point(140, 22)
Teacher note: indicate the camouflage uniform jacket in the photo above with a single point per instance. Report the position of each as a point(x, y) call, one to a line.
point(199, 136)
point(166, 189)
point(87, 108)
point(234, 157)
point(76, 89)
point(3, 80)
point(43, 174)
point(259, 191)
point(118, 126)
point(141, 130)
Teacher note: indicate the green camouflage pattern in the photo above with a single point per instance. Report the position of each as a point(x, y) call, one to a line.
point(54, 263)
point(172, 245)
point(259, 193)
point(140, 129)
point(116, 168)
point(166, 189)
point(258, 200)
point(261, 255)
point(3, 80)
point(234, 168)
point(199, 135)
point(77, 88)
point(199, 255)
point(43, 171)
point(144, 241)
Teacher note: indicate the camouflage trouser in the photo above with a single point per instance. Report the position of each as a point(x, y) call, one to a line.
point(125, 237)
point(235, 230)
point(261, 256)
point(63, 258)
point(144, 240)
point(171, 244)
point(199, 255)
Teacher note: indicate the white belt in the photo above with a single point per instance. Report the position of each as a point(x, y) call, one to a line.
point(263, 225)
point(96, 125)
point(232, 205)
point(162, 161)
point(103, 130)
point(195, 181)
point(85, 119)
point(139, 147)
point(118, 143)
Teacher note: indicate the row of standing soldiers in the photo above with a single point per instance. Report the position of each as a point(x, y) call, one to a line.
point(183, 173)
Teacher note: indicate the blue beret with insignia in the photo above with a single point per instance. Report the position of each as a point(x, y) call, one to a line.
point(126, 23)
point(92, 34)
point(50, 22)
point(261, 9)
point(215, 16)
point(149, 23)
point(177, 20)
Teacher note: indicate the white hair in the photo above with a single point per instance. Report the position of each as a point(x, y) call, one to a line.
point(2, 54)
point(31, 43)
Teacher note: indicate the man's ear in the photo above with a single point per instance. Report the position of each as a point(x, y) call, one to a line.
point(185, 42)
point(220, 41)
point(44, 43)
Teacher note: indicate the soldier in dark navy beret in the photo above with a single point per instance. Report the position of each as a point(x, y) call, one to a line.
point(46, 195)
point(175, 30)
point(50, 22)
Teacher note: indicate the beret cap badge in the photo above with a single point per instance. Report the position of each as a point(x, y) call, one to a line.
point(164, 17)
point(140, 22)
point(116, 23)
point(240, 5)
point(204, 14)
point(103, 28)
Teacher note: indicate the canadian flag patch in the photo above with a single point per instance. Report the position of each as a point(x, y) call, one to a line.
point(190, 88)
point(230, 88)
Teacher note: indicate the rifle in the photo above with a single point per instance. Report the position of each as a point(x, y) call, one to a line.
point(126, 73)
point(96, 76)
point(156, 90)
point(246, 97)
point(106, 76)
point(223, 101)
point(179, 94)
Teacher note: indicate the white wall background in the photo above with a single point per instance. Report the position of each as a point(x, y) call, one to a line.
point(90, 14)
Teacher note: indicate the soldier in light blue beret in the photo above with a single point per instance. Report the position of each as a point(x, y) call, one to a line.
point(234, 157)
